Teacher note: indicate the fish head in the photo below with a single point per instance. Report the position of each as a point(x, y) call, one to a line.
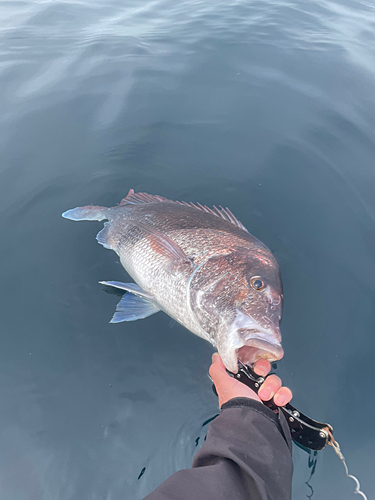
point(254, 311)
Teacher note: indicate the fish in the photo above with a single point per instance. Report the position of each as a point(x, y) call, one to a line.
point(200, 266)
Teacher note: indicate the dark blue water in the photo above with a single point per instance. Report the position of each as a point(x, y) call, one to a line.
point(267, 107)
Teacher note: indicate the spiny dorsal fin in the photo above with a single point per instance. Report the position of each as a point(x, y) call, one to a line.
point(136, 198)
point(224, 213)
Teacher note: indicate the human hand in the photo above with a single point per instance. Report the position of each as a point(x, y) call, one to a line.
point(228, 387)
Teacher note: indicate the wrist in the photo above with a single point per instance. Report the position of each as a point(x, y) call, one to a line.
point(251, 404)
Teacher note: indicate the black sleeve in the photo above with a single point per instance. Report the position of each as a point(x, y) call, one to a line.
point(246, 456)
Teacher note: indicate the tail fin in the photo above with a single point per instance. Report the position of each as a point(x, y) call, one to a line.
point(90, 212)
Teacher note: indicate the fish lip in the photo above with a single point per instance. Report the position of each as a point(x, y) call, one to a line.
point(247, 340)
point(257, 347)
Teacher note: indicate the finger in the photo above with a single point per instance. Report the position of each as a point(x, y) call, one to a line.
point(217, 362)
point(269, 388)
point(262, 367)
point(283, 396)
point(217, 370)
point(226, 386)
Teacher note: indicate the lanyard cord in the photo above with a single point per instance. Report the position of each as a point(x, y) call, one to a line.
point(335, 445)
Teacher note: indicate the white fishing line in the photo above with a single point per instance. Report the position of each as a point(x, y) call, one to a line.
point(335, 445)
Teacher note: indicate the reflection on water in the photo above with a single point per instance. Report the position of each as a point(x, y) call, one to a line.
point(264, 107)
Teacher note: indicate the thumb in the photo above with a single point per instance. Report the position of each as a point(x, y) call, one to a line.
point(227, 387)
point(217, 370)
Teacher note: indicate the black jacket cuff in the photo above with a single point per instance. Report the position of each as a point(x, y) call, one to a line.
point(277, 419)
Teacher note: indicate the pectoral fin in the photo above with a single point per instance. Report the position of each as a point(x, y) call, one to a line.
point(164, 245)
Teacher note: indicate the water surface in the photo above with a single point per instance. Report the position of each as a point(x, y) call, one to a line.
point(266, 107)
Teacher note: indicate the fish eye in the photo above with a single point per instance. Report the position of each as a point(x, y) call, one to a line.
point(257, 283)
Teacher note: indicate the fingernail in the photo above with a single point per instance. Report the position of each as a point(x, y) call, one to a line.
point(214, 356)
point(281, 401)
point(265, 395)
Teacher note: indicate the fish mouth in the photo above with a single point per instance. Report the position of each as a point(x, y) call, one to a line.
point(259, 349)
point(259, 345)
point(247, 341)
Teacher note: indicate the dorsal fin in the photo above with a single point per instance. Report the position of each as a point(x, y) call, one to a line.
point(136, 198)
point(224, 213)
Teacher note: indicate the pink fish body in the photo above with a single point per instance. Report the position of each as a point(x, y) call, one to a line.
point(200, 266)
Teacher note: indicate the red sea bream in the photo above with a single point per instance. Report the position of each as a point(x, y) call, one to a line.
point(199, 265)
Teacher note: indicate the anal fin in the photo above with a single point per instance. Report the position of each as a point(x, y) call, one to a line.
point(136, 304)
point(132, 307)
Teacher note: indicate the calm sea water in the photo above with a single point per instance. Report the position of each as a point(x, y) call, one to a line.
point(267, 107)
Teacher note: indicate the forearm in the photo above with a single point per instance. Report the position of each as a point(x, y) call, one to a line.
point(245, 456)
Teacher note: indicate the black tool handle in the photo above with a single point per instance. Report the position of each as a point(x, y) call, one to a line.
point(305, 431)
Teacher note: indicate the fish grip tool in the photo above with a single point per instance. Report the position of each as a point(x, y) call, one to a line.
point(305, 431)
